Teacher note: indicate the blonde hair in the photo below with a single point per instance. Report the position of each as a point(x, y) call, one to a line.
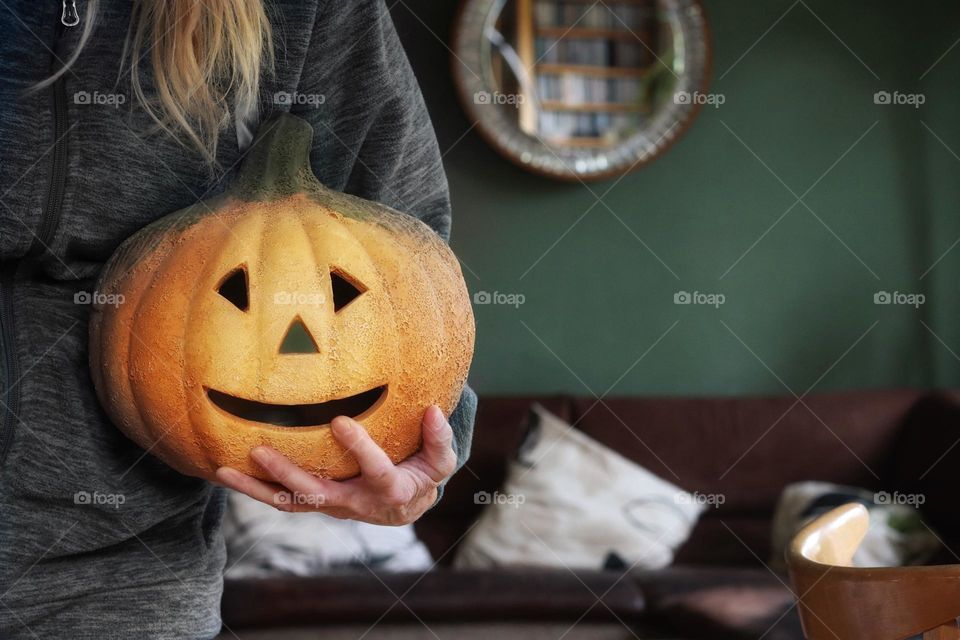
point(208, 57)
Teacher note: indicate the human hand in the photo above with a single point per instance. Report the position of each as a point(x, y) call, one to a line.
point(383, 493)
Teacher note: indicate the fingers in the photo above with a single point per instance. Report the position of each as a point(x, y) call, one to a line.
point(437, 453)
point(375, 465)
point(307, 489)
point(274, 495)
point(257, 489)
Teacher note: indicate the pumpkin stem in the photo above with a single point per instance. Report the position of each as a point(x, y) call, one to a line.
point(277, 164)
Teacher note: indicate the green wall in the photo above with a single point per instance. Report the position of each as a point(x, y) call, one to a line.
point(801, 300)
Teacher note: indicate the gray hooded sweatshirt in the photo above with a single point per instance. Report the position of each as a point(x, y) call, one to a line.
point(97, 538)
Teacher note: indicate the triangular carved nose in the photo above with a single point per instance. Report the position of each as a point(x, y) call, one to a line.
point(298, 339)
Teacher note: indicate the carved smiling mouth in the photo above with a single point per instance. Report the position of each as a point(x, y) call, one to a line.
point(297, 415)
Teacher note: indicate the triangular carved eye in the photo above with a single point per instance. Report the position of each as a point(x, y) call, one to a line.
point(235, 289)
point(345, 289)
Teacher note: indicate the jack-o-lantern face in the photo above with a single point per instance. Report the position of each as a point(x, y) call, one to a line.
point(299, 350)
point(259, 317)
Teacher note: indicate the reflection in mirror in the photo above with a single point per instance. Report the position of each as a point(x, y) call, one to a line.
point(580, 89)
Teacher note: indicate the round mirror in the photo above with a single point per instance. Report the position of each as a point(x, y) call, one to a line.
point(579, 90)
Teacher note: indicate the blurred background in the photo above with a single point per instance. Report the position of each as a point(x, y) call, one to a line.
point(682, 366)
point(718, 212)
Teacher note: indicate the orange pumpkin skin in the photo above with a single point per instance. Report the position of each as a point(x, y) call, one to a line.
point(161, 357)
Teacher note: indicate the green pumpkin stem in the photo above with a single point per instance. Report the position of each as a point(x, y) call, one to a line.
point(277, 165)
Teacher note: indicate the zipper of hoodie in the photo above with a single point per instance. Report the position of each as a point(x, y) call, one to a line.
point(69, 17)
point(9, 365)
point(11, 368)
point(58, 170)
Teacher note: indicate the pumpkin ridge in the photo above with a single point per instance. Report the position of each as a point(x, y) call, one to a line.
point(434, 281)
point(218, 225)
point(112, 280)
point(397, 354)
point(317, 269)
point(171, 252)
point(256, 303)
point(444, 284)
point(313, 248)
point(160, 270)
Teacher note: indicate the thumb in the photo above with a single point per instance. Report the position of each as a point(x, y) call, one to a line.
point(437, 450)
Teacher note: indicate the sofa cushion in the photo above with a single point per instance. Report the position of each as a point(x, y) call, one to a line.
point(262, 542)
point(569, 501)
point(897, 535)
point(499, 428)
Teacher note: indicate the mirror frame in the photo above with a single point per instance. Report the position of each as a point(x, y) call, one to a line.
point(570, 164)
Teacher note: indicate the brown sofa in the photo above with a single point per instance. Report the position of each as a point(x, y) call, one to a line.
point(747, 449)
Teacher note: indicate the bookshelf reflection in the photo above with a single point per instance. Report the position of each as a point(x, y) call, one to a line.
point(574, 73)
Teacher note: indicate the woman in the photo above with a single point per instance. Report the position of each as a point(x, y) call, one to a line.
point(97, 538)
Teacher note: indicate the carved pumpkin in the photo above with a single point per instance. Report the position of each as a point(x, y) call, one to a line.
point(259, 316)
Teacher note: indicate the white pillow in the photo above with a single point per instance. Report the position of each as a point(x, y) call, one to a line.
point(569, 501)
point(264, 542)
